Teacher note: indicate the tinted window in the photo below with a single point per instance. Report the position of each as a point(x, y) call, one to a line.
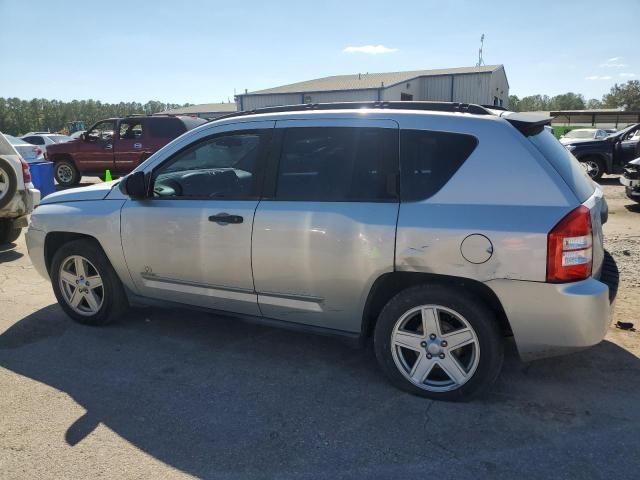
point(338, 164)
point(565, 164)
point(223, 166)
point(101, 131)
point(166, 127)
point(429, 159)
point(34, 140)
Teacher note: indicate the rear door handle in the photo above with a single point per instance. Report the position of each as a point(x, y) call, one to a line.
point(108, 146)
point(137, 145)
point(224, 218)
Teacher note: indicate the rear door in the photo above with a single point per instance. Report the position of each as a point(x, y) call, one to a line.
point(325, 229)
point(129, 144)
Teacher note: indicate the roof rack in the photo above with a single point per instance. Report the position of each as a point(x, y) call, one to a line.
point(399, 105)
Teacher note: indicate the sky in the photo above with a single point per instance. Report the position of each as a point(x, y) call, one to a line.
point(200, 51)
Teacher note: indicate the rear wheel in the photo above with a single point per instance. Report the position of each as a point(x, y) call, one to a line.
point(86, 285)
point(437, 343)
point(8, 182)
point(66, 173)
point(595, 167)
point(7, 233)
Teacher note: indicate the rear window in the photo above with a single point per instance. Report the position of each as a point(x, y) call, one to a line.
point(565, 164)
point(165, 127)
point(429, 159)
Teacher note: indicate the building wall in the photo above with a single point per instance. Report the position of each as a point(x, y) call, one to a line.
point(477, 88)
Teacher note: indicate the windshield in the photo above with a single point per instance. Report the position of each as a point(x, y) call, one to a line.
point(580, 134)
point(565, 163)
point(60, 138)
point(15, 141)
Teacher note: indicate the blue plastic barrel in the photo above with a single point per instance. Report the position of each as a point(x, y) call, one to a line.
point(42, 177)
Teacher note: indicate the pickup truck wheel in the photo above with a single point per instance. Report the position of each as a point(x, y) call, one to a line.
point(8, 182)
point(66, 173)
point(86, 285)
point(435, 342)
point(596, 167)
point(8, 234)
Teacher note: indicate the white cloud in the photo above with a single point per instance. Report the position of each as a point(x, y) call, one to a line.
point(370, 49)
point(613, 62)
point(628, 75)
point(598, 77)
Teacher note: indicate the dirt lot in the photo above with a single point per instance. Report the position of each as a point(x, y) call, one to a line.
point(172, 394)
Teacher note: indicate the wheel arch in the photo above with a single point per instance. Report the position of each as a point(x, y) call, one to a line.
point(59, 157)
point(54, 240)
point(390, 284)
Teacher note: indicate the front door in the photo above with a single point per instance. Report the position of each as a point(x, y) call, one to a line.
point(191, 243)
point(96, 152)
point(630, 146)
point(328, 229)
point(129, 144)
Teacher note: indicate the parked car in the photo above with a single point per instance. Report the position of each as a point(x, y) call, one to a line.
point(608, 155)
point(43, 140)
point(29, 152)
point(18, 198)
point(116, 144)
point(404, 222)
point(631, 180)
point(580, 134)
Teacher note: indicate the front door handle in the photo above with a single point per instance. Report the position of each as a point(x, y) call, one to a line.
point(137, 145)
point(108, 146)
point(224, 218)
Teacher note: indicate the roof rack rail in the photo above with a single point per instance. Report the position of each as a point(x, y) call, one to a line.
point(400, 105)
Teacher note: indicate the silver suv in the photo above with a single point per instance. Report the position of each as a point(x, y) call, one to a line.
point(434, 229)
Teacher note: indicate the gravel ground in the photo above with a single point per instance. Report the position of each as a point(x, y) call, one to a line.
point(174, 394)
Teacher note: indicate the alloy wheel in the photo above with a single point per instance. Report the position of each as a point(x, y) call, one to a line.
point(81, 285)
point(65, 174)
point(435, 348)
point(4, 183)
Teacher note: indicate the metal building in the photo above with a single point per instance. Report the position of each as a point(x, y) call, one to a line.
point(484, 85)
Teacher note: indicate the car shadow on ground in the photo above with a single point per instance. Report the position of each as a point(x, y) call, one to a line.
point(215, 396)
point(8, 253)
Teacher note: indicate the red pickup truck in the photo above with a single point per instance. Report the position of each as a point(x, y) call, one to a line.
point(116, 144)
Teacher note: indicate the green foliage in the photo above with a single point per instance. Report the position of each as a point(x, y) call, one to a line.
point(626, 96)
point(18, 117)
point(560, 131)
point(545, 103)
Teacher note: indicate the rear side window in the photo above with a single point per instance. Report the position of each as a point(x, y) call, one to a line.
point(338, 164)
point(166, 128)
point(565, 164)
point(34, 140)
point(429, 159)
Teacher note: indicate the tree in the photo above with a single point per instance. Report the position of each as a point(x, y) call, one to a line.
point(626, 96)
point(18, 117)
point(594, 103)
point(567, 101)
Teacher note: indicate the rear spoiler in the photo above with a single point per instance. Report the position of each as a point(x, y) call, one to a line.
point(526, 123)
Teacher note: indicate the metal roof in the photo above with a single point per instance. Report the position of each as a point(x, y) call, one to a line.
point(361, 81)
point(204, 108)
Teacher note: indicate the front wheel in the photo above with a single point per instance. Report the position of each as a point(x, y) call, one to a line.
point(438, 343)
point(7, 233)
point(66, 173)
point(86, 285)
point(595, 167)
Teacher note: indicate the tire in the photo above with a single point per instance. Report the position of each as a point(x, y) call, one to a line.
point(8, 182)
point(66, 173)
point(110, 297)
point(480, 361)
point(8, 234)
point(635, 198)
point(597, 167)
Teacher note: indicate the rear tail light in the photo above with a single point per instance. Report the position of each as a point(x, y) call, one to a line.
point(26, 174)
point(569, 248)
point(38, 152)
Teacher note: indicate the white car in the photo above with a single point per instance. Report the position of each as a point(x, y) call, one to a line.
point(584, 134)
point(41, 140)
point(18, 197)
point(29, 152)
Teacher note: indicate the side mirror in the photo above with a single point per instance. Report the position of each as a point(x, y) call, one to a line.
point(83, 136)
point(134, 186)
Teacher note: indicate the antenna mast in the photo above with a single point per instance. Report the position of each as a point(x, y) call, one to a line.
point(480, 59)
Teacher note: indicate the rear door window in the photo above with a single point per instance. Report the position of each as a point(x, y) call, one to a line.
point(429, 159)
point(165, 127)
point(565, 164)
point(338, 164)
